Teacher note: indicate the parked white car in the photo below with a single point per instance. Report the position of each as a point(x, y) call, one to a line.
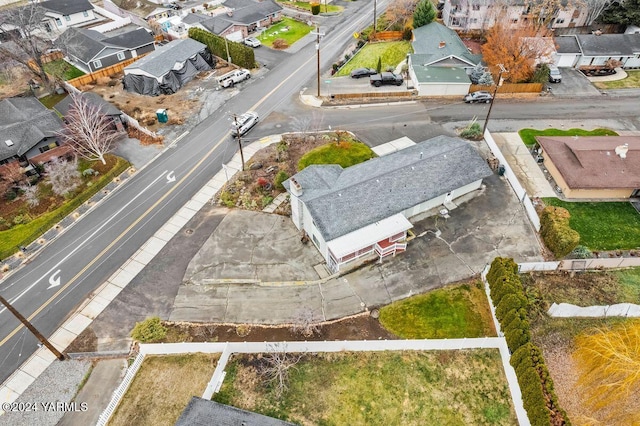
point(244, 123)
point(252, 42)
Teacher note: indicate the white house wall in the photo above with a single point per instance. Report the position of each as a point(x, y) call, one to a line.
point(566, 60)
point(311, 230)
point(438, 201)
point(444, 89)
point(632, 62)
point(75, 19)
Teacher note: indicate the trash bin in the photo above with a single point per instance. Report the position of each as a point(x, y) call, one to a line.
point(501, 170)
point(162, 115)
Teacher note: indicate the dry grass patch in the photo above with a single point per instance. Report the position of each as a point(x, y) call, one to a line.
point(163, 387)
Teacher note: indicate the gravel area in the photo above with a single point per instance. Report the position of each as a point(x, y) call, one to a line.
point(48, 395)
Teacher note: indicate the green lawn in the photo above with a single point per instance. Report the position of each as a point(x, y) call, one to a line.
point(50, 100)
point(379, 388)
point(344, 153)
point(296, 30)
point(632, 81)
point(528, 136)
point(62, 69)
point(603, 226)
point(307, 6)
point(451, 312)
point(390, 52)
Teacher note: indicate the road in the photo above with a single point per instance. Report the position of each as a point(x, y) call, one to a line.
point(65, 272)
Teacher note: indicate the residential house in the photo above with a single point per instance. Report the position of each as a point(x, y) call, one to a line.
point(441, 62)
point(593, 166)
point(106, 108)
point(63, 14)
point(201, 412)
point(28, 133)
point(363, 210)
point(91, 51)
point(597, 49)
point(168, 68)
point(251, 15)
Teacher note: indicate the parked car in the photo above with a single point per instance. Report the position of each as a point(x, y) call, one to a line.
point(385, 78)
point(252, 42)
point(554, 75)
point(479, 96)
point(233, 77)
point(362, 72)
point(174, 6)
point(244, 123)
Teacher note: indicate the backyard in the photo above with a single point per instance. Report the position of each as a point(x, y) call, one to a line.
point(391, 53)
point(528, 136)
point(455, 311)
point(289, 30)
point(62, 69)
point(378, 388)
point(632, 81)
point(603, 225)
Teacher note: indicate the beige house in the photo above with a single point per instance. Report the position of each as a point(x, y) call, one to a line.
point(593, 166)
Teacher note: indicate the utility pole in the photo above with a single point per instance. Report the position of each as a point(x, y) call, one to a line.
point(375, 6)
point(32, 329)
point(226, 43)
point(235, 120)
point(318, 35)
point(495, 91)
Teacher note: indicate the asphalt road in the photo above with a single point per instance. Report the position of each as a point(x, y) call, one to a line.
point(88, 253)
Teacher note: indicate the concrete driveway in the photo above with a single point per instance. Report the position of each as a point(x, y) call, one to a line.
point(574, 83)
point(335, 85)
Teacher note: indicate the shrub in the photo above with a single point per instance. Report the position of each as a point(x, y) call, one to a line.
point(541, 74)
point(21, 219)
point(280, 43)
point(241, 55)
point(315, 8)
point(473, 131)
point(558, 236)
point(149, 330)
point(10, 195)
point(581, 252)
point(509, 302)
point(266, 200)
point(407, 33)
point(281, 177)
point(227, 199)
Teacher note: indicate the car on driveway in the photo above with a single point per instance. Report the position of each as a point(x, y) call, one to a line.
point(252, 42)
point(554, 75)
point(243, 123)
point(385, 78)
point(479, 96)
point(362, 72)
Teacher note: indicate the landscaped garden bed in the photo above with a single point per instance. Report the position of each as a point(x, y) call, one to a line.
point(632, 81)
point(284, 33)
point(528, 136)
point(390, 53)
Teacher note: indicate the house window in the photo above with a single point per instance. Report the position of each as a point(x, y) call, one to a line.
point(67, 18)
point(120, 56)
point(8, 160)
point(85, 14)
point(475, 7)
point(97, 64)
point(50, 146)
point(473, 20)
point(560, 21)
point(315, 240)
point(58, 22)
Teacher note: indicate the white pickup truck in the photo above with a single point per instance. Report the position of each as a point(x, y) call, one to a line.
point(233, 77)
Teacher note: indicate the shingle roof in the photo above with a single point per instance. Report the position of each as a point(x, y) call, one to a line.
point(441, 75)
point(591, 161)
point(194, 18)
point(609, 44)
point(216, 24)
point(250, 11)
point(107, 108)
point(164, 58)
point(567, 44)
point(66, 7)
point(427, 41)
point(24, 121)
point(202, 412)
point(131, 40)
point(81, 43)
point(344, 200)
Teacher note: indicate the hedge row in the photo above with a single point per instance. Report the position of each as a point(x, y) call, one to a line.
point(558, 236)
point(241, 55)
point(509, 298)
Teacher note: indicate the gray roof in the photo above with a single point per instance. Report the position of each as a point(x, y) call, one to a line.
point(609, 44)
point(216, 24)
point(250, 11)
point(202, 412)
point(66, 7)
point(567, 44)
point(25, 121)
point(131, 40)
point(107, 108)
point(163, 59)
point(87, 44)
point(194, 18)
point(344, 200)
point(427, 41)
point(440, 74)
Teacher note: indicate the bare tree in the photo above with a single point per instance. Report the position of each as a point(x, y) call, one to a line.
point(22, 26)
point(30, 193)
point(306, 322)
point(400, 12)
point(595, 9)
point(12, 175)
point(63, 175)
point(88, 131)
point(277, 364)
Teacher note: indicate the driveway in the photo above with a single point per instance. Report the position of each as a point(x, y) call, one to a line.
point(333, 85)
point(574, 83)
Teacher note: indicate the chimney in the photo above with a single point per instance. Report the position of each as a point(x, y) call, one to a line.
point(296, 188)
point(230, 13)
point(621, 150)
point(442, 45)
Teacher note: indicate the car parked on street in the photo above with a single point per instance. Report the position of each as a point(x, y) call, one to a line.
point(243, 123)
point(362, 72)
point(479, 96)
point(252, 42)
point(378, 80)
point(554, 75)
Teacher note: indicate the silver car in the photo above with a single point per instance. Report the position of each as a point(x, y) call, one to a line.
point(479, 96)
point(252, 42)
point(244, 123)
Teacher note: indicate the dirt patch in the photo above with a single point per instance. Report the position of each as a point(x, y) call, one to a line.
point(14, 82)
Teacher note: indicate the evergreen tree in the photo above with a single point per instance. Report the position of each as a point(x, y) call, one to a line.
point(624, 12)
point(425, 14)
point(379, 66)
point(486, 79)
point(476, 74)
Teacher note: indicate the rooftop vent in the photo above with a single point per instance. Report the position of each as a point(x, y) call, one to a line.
point(621, 150)
point(9, 142)
point(442, 45)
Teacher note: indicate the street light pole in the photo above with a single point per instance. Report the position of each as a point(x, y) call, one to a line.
point(235, 120)
point(495, 91)
point(318, 35)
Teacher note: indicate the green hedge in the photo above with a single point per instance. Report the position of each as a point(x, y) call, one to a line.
point(556, 232)
point(241, 55)
point(315, 8)
point(508, 296)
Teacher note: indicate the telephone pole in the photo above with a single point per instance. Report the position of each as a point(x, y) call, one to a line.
point(32, 329)
point(318, 35)
point(375, 13)
point(235, 120)
point(495, 91)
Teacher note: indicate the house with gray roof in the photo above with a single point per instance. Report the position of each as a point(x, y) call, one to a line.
point(364, 210)
point(203, 412)
point(64, 14)
point(28, 133)
point(597, 49)
point(168, 68)
point(441, 62)
point(91, 51)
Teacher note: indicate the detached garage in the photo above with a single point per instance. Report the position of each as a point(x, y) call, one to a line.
point(168, 68)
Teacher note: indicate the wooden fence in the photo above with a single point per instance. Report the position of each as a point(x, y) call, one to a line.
point(510, 88)
point(50, 57)
point(386, 36)
point(371, 95)
point(104, 72)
